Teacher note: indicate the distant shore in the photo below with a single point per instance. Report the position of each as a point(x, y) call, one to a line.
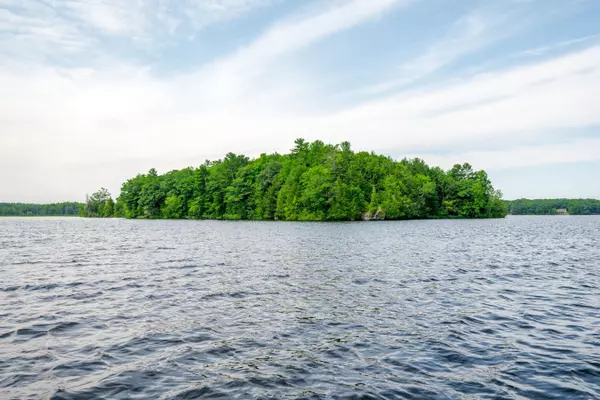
point(530, 207)
point(553, 207)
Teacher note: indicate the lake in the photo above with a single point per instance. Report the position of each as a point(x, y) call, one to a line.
point(135, 309)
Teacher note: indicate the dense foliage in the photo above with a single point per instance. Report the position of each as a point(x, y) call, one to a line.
point(22, 209)
point(315, 182)
point(550, 206)
point(99, 204)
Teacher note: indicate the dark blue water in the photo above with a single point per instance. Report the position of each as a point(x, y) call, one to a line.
point(118, 309)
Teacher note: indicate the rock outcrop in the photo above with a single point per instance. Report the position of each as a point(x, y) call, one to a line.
point(378, 216)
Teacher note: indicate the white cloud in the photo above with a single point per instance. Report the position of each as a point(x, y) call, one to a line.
point(77, 121)
point(467, 35)
point(88, 127)
point(30, 30)
point(538, 51)
point(558, 93)
point(292, 35)
point(202, 13)
point(523, 156)
point(114, 17)
point(71, 120)
point(37, 29)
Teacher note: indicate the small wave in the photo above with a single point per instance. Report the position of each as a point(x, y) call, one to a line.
point(79, 367)
point(199, 393)
point(233, 295)
point(38, 330)
point(43, 286)
point(299, 312)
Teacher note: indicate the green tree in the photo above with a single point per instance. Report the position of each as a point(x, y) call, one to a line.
point(95, 204)
point(315, 181)
point(108, 209)
point(172, 208)
point(315, 194)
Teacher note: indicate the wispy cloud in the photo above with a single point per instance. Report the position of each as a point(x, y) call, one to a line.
point(128, 113)
point(241, 76)
point(467, 35)
point(538, 51)
point(557, 93)
point(94, 124)
point(207, 12)
point(291, 35)
point(118, 105)
point(31, 30)
point(112, 17)
point(524, 156)
point(37, 29)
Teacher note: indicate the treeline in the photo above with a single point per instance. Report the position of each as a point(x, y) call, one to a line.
point(316, 182)
point(56, 209)
point(553, 206)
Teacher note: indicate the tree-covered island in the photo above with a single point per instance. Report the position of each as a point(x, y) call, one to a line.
point(314, 182)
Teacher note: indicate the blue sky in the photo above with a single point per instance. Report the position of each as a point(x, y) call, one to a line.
point(95, 91)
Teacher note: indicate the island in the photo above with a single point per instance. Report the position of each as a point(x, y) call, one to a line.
point(314, 182)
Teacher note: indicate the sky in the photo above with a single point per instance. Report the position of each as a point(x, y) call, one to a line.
point(93, 92)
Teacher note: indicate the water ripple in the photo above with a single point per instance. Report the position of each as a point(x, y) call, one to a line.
point(118, 309)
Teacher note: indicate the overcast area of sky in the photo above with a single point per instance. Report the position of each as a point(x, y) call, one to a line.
point(93, 92)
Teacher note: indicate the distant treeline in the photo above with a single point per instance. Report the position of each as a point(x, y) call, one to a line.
point(56, 209)
point(553, 206)
point(315, 182)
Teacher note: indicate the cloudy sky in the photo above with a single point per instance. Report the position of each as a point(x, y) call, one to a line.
point(94, 91)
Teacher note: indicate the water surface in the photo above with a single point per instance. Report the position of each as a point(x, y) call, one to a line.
point(121, 309)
